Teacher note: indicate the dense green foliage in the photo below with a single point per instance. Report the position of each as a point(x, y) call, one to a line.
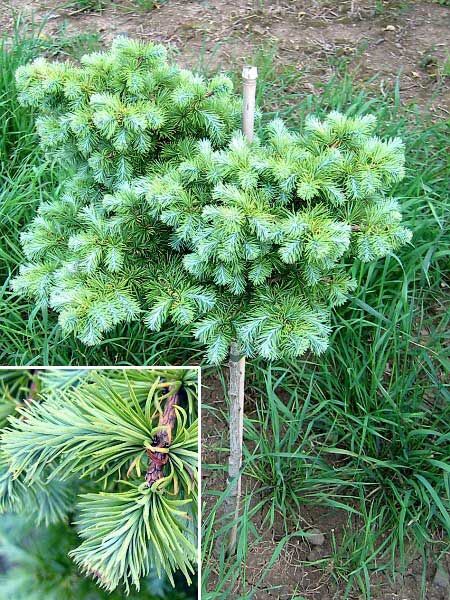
point(113, 119)
point(275, 225)
point(36, 565)
point(240, 241)
point(79, 446)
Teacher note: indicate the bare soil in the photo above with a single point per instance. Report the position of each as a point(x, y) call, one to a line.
point(408, 39)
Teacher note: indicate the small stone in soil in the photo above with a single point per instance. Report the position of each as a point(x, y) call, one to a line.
point(441, 579)
point(314, 555)
point(315, 537)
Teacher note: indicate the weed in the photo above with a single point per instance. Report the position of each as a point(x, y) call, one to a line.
point(88, 5)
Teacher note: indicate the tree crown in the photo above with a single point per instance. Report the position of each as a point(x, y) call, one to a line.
point(173, 214)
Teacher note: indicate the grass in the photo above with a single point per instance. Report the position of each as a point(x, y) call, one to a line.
point(100, 5)
point(88, 5)
point(289, 453)
point(364, 429)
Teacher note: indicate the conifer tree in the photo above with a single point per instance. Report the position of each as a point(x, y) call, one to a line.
point(169, 215)
point(174, 215)
point(279, 222)
point(110, 458)
point(120, 115)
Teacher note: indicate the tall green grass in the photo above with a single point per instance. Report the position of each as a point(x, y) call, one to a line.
point(365, 428)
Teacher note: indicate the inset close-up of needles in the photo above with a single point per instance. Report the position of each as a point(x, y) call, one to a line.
point(98, 483)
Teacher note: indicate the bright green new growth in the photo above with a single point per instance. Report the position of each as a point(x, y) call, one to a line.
point(96, 430)
point(171, 215)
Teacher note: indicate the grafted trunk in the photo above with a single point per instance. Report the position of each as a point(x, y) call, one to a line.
point(163, 438)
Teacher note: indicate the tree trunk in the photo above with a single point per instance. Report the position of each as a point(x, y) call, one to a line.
point(236, 400)
point(237, 363)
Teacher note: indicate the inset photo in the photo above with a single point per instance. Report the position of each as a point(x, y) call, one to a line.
point(99, 483)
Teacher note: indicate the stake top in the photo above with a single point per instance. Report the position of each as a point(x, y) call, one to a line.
point(249, 73)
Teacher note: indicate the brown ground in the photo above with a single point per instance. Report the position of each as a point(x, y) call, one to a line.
point(391, 37)
point(404, 38)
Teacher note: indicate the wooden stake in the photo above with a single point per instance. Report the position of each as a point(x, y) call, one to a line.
point(237, 363)
point(249, 76)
